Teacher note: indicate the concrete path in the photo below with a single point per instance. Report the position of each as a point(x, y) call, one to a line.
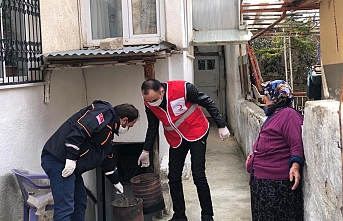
point(228, 182)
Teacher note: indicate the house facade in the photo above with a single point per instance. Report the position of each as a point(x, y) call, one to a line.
point(57, 68)
point(60, 68)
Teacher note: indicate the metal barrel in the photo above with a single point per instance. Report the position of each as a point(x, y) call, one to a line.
point(127, 209)
point(148, 187)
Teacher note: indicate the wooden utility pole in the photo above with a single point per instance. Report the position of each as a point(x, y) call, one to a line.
point(149, 73)
point(149, 70)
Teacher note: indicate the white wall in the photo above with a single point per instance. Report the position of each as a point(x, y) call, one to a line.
point(233, 89)
point(119, 85)
point(26, 123)
point(60, 25)
point(174, 22)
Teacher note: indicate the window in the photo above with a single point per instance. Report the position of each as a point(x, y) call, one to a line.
point(20, 42)
point(201, 65)
point(137, 21)
point(206, 65)
point(106, 19)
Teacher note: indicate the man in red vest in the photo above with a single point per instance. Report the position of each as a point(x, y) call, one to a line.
point(177, 105)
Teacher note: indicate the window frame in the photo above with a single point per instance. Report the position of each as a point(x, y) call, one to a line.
point(128, 37)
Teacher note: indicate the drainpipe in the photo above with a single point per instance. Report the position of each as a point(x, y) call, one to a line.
point(270, 26)
point(339, 145)
point(290, 62)
point(285, 55)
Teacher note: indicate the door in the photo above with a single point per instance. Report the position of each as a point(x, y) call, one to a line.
point(206, 77)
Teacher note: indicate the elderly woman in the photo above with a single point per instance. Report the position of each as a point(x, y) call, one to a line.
point(277, 159)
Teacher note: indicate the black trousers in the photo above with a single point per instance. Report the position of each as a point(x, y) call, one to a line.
point(176, 162)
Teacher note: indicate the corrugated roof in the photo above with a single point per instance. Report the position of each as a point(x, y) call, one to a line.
point(126, 50)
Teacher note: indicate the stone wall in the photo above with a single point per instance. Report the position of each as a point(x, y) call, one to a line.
point(251, 118)
point(322, 177)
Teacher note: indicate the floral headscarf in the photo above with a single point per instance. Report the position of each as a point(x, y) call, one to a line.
point(278, 91)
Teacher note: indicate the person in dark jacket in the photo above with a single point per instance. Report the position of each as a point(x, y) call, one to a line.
point(177, 105)
point(80, 144)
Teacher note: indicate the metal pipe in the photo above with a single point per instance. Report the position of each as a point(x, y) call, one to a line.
point(243, 91)
point(270, 26)
point(341, 136)
point(280, 9)
point(285, 55)
point(262, 4)
point(290, 62)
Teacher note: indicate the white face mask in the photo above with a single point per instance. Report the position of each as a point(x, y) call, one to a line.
point(156, 103)
point(123, 130)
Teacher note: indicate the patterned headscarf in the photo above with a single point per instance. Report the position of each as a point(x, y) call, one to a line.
point(278, 92)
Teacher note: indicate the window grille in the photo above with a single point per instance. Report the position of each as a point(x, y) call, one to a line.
point(20, 42)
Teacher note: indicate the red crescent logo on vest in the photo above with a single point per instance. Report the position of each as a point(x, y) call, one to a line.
point(178, 106)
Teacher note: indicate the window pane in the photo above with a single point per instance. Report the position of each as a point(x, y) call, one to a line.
point(106, 19)
point(210, 64)
point(144, 19)
point(201, 64)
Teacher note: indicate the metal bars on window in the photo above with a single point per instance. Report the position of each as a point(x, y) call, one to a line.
point(20, 42)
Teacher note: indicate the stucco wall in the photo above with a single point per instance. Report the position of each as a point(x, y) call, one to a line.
point(331, 44)
point(26, 123)
point(233, 90)
point(331, 31)
point(174, 22)
point(119, 85)
point(60, 25)
point(322, 172)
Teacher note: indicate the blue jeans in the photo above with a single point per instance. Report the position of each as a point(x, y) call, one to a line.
point(70, 197)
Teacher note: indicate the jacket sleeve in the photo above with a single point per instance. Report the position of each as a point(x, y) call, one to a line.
point(95, 117)
point(153, 124)
point(109, 166)
point(202, 99)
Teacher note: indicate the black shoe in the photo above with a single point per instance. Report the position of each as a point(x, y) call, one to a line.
point(207, 218)
point(178, 219)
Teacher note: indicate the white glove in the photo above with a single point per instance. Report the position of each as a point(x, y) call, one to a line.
point(144, 159)
point(223, 133)
point(69, 168)
point(119, 187)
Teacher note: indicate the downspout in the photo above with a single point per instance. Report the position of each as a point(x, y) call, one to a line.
point(270, 26)
point(341, 134)
point(285, 55)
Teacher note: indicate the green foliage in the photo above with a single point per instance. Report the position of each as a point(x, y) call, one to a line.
point(270, 51)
